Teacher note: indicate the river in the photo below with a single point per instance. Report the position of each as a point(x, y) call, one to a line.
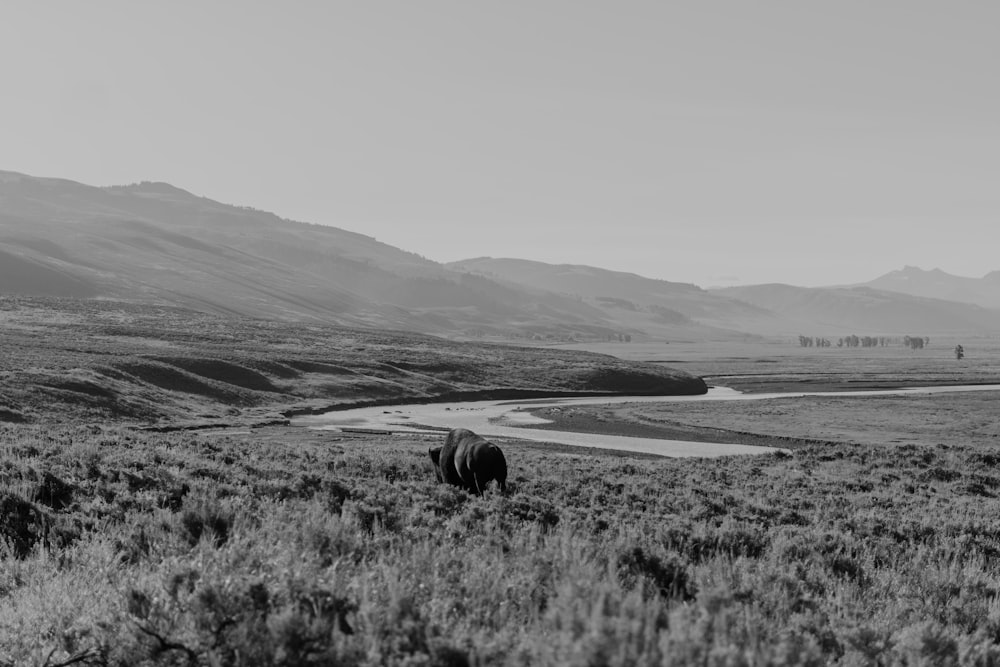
point(513, 419)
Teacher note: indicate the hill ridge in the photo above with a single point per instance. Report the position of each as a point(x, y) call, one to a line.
point(154, 242)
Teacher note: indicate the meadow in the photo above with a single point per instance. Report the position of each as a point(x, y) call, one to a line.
point(254, 544)
point(282, 546)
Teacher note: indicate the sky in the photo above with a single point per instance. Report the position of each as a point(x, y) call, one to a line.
point(702, 141)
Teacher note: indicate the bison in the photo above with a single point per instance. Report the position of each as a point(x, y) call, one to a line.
point(469, 461)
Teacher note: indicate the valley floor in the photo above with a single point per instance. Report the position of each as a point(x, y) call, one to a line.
point(874, 540)
point(782, 365)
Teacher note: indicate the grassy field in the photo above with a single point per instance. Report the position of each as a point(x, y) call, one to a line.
point(874, 541)
point(282, 546)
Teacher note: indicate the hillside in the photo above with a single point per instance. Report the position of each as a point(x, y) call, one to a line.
point(938, 284)
point(644, 305)
point(867, 310)
point(66, 359)
point(155, 243)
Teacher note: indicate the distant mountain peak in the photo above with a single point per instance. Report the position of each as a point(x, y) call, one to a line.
point(909, 269)
point(910, 272)
point(938, 284)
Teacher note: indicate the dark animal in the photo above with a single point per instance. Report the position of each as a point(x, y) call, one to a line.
point(469, 461)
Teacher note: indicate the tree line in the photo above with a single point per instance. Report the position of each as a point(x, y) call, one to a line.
point(912, 342)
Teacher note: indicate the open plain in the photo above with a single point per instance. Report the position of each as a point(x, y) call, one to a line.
point(960, 418)
point(174, 518)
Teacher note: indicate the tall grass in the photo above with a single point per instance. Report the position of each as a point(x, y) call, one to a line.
point(178, 549)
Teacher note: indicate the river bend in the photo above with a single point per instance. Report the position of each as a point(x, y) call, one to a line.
point(513, 419)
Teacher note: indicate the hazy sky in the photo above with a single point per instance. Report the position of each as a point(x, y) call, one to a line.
point(709, 142)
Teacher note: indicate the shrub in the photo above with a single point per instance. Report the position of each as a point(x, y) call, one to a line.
point(533, 508)
point(22, 524)
point(53, 492)
point(669, 579)
point(207, 517)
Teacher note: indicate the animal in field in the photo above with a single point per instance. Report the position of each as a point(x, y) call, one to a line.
point(469, 461)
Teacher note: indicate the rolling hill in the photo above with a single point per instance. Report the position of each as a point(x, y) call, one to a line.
point(155, 243)
point(863, 310)
point(100, 359)
point(653, 307)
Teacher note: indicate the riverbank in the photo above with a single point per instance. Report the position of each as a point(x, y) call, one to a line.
point(512, 419)
point(659, 425)
point(623, 421)
point(795, 383)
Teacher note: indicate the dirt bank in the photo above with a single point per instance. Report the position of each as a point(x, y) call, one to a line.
point(612, 421)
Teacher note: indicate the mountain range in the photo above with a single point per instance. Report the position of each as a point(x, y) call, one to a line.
point(156, 243)
point(937, 284)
